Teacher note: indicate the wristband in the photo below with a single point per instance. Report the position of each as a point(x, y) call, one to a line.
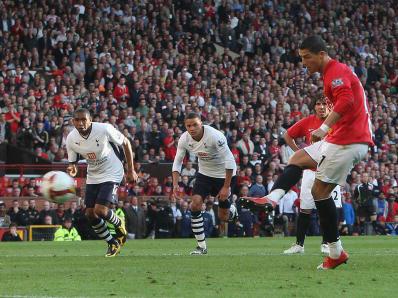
point(324, 127)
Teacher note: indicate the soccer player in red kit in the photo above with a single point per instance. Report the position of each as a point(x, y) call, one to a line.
point(344, 137)
point(303, 128)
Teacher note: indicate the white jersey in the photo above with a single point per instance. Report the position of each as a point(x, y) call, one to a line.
point(212, 151)
point(103, 163)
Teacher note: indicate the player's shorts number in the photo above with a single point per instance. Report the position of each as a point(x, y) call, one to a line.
point(114, 191)
point(334, 195)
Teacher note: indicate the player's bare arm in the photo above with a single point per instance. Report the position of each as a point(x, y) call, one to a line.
point(290, 142)
point(177, 164)
point(131, 174)
point(322, 131)
point(176, 188)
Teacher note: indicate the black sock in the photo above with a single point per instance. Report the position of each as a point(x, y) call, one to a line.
point(303, 222)
point(328, 219)
point(362, 227)
point(290, 176)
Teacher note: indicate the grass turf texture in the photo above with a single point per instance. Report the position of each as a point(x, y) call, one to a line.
point(163, 268)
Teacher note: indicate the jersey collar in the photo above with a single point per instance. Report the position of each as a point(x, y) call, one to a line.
point(330, 63)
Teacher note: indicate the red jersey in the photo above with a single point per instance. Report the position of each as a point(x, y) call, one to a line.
point(344, 90)
point(304, 127)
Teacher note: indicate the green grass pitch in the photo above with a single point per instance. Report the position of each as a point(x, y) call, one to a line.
point(163, 268)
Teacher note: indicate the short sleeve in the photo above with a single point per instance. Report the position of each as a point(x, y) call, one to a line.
point(72, 155)
point(114, 135)
point(298, 129)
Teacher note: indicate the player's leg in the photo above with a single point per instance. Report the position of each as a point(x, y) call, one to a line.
point(335, 164)
point(304, 217)
point(372, 216)
point(328, 217)
point(302, 159)
point(223, 205)
point(303, 222)
point(108, 195)
point(97, 223)
point(201, 189)
point(197, 225)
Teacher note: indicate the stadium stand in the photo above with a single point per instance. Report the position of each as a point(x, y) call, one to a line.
point(142, 65)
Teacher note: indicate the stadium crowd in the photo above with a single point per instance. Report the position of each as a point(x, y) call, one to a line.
point(142, 65)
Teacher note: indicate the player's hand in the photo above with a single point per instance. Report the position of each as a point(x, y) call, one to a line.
point(317, 135)
point(223, 194)
point(72, 170)
point(176, 191)
point(132, 176)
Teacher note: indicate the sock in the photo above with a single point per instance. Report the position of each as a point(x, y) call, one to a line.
point(197, 228)
point(101, 229)
point(374, 225)
point(362, 227)
point(113, 218)
point(328, 220)
point(290, 176)
point(303, 222)
point(335, 249)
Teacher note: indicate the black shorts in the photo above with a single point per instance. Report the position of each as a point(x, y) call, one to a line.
point(366, 211)
point(209, 186)
point(102, 194)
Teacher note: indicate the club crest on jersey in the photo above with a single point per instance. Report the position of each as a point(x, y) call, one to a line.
point(337, 82)
point(220, 143)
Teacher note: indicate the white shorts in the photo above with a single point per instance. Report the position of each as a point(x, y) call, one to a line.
point(306, 199)
point(335, 161)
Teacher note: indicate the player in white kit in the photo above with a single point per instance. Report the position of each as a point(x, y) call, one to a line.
point(215, 176)
point(303, 129)
point(99, 144)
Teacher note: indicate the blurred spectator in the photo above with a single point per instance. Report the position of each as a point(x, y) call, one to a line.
point(208, 224)
point(45, 213)
point(185, 224)
point(257, 189)
point(5, 132)
point(349, 215)
point(286, 210)
point(135, 220)
point(14, 211)
point(23, 218)
point(11, 234)
point(177, 216)
point(4, 217)
point(67, 232)
point(33, 213)
point(188, 170)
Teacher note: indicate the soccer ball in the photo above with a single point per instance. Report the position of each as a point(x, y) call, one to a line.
point(58, 187)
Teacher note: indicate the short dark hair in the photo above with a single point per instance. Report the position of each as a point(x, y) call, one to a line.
point(192, 116)
point(83, 111)
point(314, 44)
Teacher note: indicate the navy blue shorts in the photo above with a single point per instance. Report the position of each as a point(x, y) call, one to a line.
point(209, 186)
point(102, 194)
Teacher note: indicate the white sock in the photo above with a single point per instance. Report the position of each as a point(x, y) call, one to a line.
point(276, 195)
point(202, 244)
point(335, 249)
